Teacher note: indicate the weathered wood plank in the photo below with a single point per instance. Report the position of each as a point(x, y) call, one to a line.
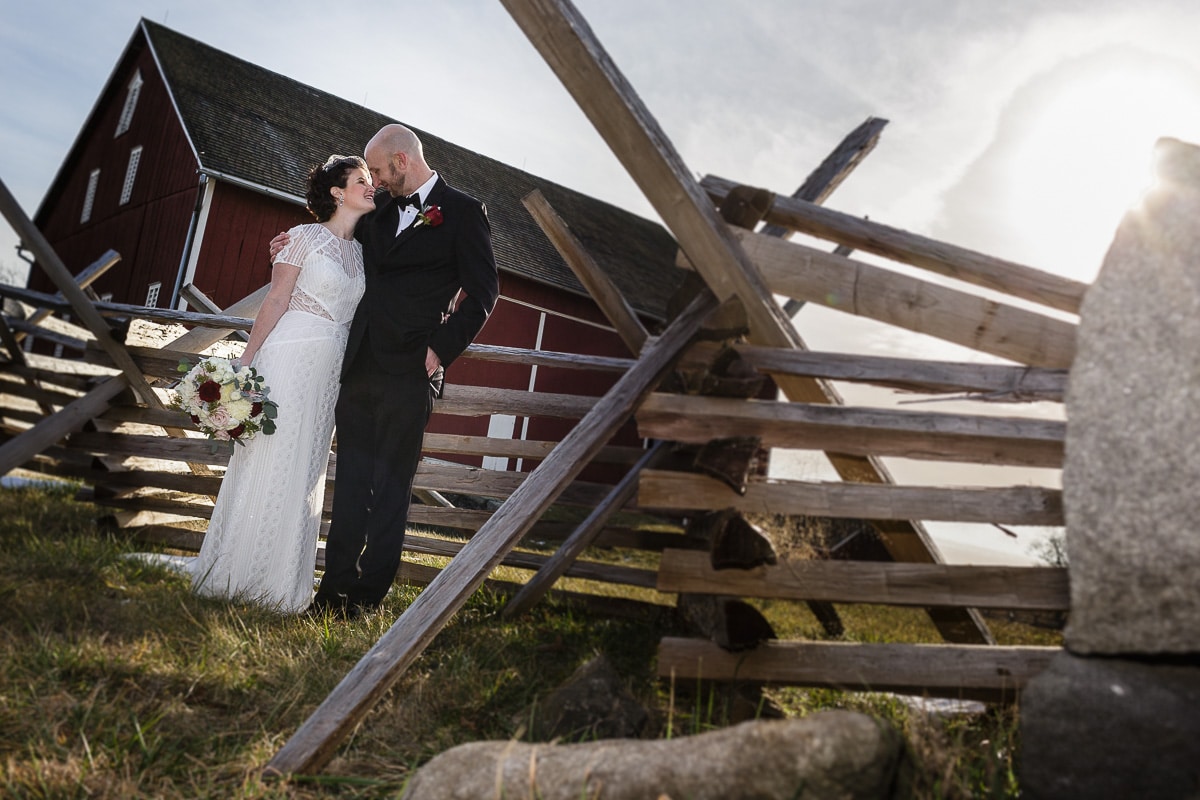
point(966, 265)
point(993, 381)
point(587, 570)
point(889, 583)
point(478, 401)
point(314, 743)
point(163, 505)
point(865, 290)
point(192, 449)
point(936, 670)
point(46, 334)
point(546, 533)
point(1014, 505)
point(868, 431)
point(443, 477)
point(545, 358)
point(73, 382)
point(43, 396)
point(517, 448)
point(598, 284)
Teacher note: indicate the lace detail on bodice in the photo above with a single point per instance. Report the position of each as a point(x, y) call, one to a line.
point(331, 279)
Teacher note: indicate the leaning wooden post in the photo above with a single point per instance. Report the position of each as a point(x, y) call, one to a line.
point(562, 36)
point(82, 306)
point(311, 747)
point(599, 286)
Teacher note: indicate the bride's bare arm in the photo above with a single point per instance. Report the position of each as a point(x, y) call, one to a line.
point(283, 281)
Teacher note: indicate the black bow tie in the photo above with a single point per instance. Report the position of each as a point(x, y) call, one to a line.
point(412, 200)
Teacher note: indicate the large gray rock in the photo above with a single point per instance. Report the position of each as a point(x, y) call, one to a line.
point(833, 754)
point(1100, 727)
point(1130, 483)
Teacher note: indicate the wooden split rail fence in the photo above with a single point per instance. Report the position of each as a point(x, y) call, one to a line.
point(90, 417)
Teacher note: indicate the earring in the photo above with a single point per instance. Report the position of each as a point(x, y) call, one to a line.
point(341, 200)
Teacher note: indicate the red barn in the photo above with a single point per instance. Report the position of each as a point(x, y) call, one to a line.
point(192, 159)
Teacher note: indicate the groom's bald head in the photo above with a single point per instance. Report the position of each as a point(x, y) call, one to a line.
point(396, 160)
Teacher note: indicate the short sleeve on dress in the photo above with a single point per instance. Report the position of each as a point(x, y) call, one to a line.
point(304, 240)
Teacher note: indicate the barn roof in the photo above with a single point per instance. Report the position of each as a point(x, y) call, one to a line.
point(259, 126)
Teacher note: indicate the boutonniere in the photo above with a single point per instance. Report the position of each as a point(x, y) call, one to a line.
point(429, 215)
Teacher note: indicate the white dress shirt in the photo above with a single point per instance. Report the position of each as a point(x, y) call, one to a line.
point(408, 214)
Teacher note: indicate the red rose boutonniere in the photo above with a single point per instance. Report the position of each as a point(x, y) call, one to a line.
point(429, 215)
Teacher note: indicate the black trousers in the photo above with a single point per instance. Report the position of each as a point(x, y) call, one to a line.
point(381, 418)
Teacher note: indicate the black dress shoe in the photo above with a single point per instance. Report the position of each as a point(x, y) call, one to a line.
point(320, 608)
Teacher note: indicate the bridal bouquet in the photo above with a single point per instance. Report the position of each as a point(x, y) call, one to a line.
point(226, 402)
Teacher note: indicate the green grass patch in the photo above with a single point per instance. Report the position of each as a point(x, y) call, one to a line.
point(117, 681)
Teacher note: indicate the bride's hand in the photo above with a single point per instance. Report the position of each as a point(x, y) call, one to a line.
point(278, 243)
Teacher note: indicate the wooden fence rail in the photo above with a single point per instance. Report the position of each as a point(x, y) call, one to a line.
point(933, 670)
point(862, 289)
point(888, 583)
point(1015, 505)
point(867, 431)
point(960, 263)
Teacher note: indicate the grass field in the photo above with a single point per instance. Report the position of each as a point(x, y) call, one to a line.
point(118, 682)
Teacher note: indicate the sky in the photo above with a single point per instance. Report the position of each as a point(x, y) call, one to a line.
point(1021, 129)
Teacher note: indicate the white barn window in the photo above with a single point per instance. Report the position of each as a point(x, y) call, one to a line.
point(90, 198)
point(135, 155)
point(152, 294)
point(131, 98)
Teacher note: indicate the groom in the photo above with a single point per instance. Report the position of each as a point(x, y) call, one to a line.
point(421, 247)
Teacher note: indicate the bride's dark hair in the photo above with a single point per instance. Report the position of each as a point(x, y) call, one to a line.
point(324, 177)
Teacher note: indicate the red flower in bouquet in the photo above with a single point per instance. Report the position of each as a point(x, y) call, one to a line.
point(209, 391)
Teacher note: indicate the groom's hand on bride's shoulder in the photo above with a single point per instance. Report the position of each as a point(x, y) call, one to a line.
point(278, 243)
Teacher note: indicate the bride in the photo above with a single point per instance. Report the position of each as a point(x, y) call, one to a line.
point(261, 541)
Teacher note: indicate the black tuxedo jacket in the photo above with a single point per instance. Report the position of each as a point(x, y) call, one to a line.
point(413, 279)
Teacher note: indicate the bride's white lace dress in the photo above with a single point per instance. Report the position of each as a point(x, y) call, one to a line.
point(262, 539)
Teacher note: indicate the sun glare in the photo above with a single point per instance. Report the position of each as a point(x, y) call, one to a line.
point(1086, 155)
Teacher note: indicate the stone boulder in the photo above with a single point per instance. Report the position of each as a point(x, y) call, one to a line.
point(832, 754)
point(1133, 420)
point(1111, 728)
